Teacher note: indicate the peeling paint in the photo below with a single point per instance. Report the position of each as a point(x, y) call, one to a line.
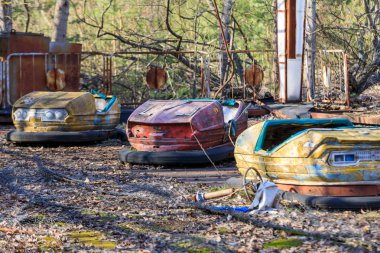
point(303, 159)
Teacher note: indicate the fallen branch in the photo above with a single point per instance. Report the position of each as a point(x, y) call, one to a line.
point(15, 231)
point(256, 222)
point(53, 174)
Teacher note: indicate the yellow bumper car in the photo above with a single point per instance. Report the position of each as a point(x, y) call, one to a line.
point(64, 117)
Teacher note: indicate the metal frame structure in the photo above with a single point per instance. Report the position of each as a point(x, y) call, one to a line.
point(290, 45)
point(50, 59)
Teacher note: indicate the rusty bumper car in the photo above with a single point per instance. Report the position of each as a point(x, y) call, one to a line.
point(64, 117)
point(184, 132)
point(325, 163)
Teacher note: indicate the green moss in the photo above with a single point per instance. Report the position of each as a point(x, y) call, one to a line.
point(283, 243)
point(61, 224)
point(188, 246)
point(183, 244)
point(40, 216)
point(49, 239)
point(218, 188)
point(92, 238)
point(201, 250)
point(104, 217)
point(132, 216)
point(49, 244)
point(84, 235)
point(46, 248)
point(372, 215)
point(223, 230)
point(103, 244)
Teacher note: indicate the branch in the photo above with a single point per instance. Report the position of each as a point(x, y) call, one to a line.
point(102, 19)
point(26, 5)
point(169, 28)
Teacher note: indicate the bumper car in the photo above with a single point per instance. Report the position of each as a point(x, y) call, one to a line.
point(183, 132)
point(324, 163)
point(64, 117)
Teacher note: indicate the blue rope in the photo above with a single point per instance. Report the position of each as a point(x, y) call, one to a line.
point(242, 209)
point(109, 104)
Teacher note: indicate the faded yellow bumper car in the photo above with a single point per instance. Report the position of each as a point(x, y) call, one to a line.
point(64, 117)
point(327, 163)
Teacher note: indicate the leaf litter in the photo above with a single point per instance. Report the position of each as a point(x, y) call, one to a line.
point(103, 206)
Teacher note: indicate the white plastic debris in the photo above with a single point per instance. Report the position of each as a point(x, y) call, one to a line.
point(266, 197)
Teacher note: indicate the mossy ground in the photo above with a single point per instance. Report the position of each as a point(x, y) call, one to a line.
point(283, 243)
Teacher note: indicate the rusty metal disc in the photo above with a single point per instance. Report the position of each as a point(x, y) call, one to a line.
point(156, 77)
point(56, 80)
point(253, 75)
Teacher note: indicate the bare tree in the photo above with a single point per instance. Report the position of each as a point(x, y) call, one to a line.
point(6, 15)
point(365, 71)
point(311, 28)
point(26, 6)
point(226, 18)
point(60, 20)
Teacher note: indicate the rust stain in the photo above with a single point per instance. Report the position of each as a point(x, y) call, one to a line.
point(354, 117)
point(55, 79)
point(156, 77)
point(253, 75)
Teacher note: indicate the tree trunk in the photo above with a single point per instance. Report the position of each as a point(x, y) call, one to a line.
point(311, 47)
point(276, 70)
point(6, 16)
point(223, 58)
point(60, 20)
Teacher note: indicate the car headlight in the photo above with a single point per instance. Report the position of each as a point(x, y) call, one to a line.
point(20, 114)
point(352, 157)
point(60, 115)
point(53, 115)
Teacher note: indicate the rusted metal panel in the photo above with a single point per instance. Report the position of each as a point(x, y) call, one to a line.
point(342, 190)
point(183, 125)
point(20, 70)
point(357, 118)
point(28, 59)
point(25, 73)
point(253, 75)
point(291, 28)
point(67, 57)
point(23, 43)
point(156, 77)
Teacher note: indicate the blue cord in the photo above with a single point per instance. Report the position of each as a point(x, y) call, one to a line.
point(109, 104)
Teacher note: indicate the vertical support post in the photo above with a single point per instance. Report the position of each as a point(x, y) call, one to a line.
point(346, 81)
point(110, 75)
point(291, 28)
